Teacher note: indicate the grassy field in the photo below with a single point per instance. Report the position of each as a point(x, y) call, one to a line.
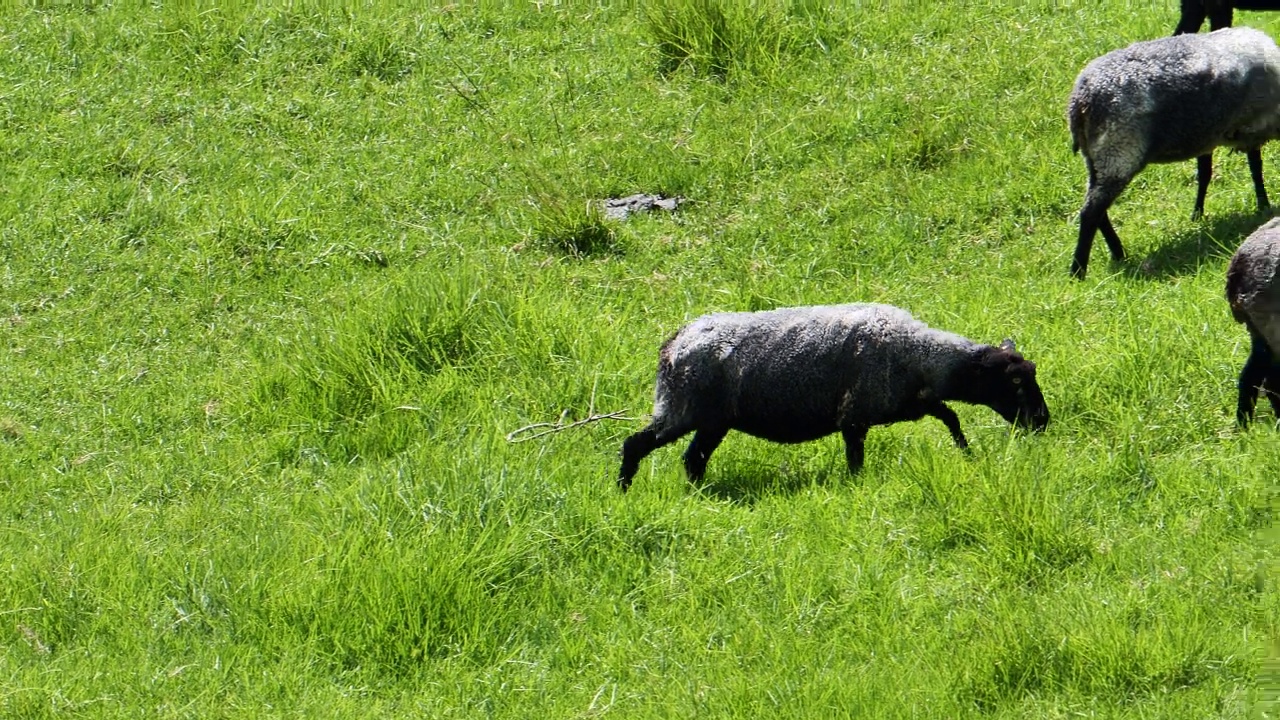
point(276, 283)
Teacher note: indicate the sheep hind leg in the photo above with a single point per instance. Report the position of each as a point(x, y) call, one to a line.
point(705, 441)
point(638, 446)
point(1192, 18)
point(1113, 240)
point(1271, 388)
point(1255, 373)
point(1255, 171)
point(1221, 15)
point(1093, 217)
point(1204, 172)
point(855, 439)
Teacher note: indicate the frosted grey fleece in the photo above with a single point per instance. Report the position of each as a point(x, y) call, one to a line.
point(794, 374)
point(1176, 98)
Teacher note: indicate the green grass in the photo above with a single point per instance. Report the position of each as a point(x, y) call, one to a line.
point(276, 283)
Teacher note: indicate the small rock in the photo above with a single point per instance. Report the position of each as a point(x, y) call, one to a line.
point(620, 208)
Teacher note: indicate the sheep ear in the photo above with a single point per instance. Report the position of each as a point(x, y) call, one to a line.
point(1008, 345)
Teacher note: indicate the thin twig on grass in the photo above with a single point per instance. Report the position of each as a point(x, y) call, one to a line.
point(559, 426)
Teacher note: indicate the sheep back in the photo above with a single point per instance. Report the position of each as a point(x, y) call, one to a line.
point(795, 374)
point(1178, 97)
point(1253, 282)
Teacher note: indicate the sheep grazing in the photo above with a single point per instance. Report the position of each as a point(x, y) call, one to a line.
point(1170, 100)
point(798, 374)
point(1253, 289)
point(1219, 13)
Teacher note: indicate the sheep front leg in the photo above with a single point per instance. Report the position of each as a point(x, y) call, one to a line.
point(1255, 171)
point(1204, 171)
point(948, 418)
point(855, 439)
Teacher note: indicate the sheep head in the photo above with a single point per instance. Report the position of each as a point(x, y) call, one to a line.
point(1005, 381)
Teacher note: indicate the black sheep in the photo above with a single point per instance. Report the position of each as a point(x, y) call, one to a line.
point(1219, 13)
point(798, 374)
point(1169, 100)
point(1253, 289)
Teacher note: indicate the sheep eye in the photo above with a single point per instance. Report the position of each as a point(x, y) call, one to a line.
point(1017, 381)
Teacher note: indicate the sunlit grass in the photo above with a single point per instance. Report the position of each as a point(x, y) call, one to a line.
point(276, 283)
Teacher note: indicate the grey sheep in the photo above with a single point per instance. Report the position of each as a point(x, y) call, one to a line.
point(1170, 100)
point(797, 374)
point(1253, 290)
point(1219, 13)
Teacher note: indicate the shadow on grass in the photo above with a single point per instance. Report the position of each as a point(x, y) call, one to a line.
point(749, 485)
point(1186, 251)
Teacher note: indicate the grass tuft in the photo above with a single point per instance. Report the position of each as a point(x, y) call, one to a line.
point(361, 384)
point(379, 56)
point(392, 609)
point(720, 38)
point(577, 228)
point(10, 429)
point(1106, 657)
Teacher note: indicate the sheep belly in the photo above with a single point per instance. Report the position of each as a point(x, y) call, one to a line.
point(1268, 324)
point(786, 425)
point(1205, 120)
point(788, 399)
point(1189, 115)
point(793, 374)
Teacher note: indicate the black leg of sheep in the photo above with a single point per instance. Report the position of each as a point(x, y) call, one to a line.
point(1193, 14)
point(1271, 388)
point(1255, 171)
point(1221, 16)
point(638, 446)
point(1094, 218)
point(949, 418)
point(1258, 369)
point(705, 442)
point(1204, 171)
point(855, 439)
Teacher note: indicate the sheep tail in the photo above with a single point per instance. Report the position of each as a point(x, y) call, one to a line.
point(665, 362)
point(1095, 104)
point(1079, 120)
point(1235, 292)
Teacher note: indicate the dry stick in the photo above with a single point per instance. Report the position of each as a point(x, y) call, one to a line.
point(556, 427)
point(559, 425)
